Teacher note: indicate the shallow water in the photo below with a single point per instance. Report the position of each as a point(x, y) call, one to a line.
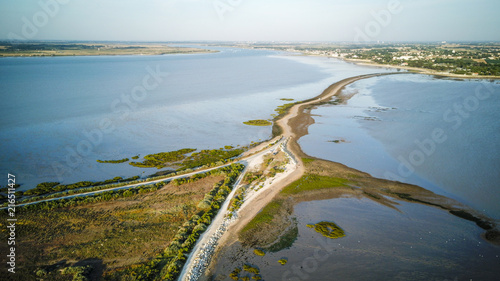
point(414, 243)
point(61, 114)
point(405, 128)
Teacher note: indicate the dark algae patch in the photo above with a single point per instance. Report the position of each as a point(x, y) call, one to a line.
point(328, 229)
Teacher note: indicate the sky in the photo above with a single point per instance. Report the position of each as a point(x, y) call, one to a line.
point(251, 20)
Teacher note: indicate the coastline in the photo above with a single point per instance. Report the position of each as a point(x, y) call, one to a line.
point(107, 49)
point(294, 125)
point(420, 70)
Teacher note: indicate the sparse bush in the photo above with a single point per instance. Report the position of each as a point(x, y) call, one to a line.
point(259, 252)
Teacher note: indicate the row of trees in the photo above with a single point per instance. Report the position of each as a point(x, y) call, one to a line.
point(168, 264)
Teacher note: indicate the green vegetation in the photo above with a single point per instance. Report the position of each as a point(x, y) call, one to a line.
point(238, 200)
point(307, 160)
point(272, 228)
point(114, 161)
point(135, 157)
point(89, 49)
point(259, 252)
point(251, 269)
point(206, 157)
point(457, 59)
point(311, 182)
point(286, 240)
point(467, 216)
point(167, 265)
point(160, 160)
point(202, 159)
point(98, 197)
point(180, 159)
point(283, 109)
point(283, 261)
point(328, 229)
point(287, 99)
point(120, 231)
point(258, 122)
point(479, 59)
point(181, 181)
point(235, 274)
point(79, 273)
point(265, 216)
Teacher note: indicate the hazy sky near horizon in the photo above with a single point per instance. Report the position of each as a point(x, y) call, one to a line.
point(251, 20)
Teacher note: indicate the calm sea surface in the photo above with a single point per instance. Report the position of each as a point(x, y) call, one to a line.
point(61, 114)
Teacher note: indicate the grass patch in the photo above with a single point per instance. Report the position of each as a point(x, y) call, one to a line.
point(313, 182)
point(235, 274)
point(328, 229)
point(287, 99)
point(206, 157)
point(307, 160)
point(251, 269)
point(183, 161)
point(258, 122)
point(160, 160)
point(265, 216)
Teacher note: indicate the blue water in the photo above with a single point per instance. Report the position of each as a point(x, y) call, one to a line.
point(442, 134)
point(61, 114)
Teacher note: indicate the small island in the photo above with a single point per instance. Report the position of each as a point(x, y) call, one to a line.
point(258, 122)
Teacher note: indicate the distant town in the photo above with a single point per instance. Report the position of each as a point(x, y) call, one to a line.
point(475, 59)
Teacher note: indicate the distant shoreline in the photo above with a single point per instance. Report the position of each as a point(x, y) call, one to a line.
point(42, 49)
point(421, 70)
point(294, 125)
